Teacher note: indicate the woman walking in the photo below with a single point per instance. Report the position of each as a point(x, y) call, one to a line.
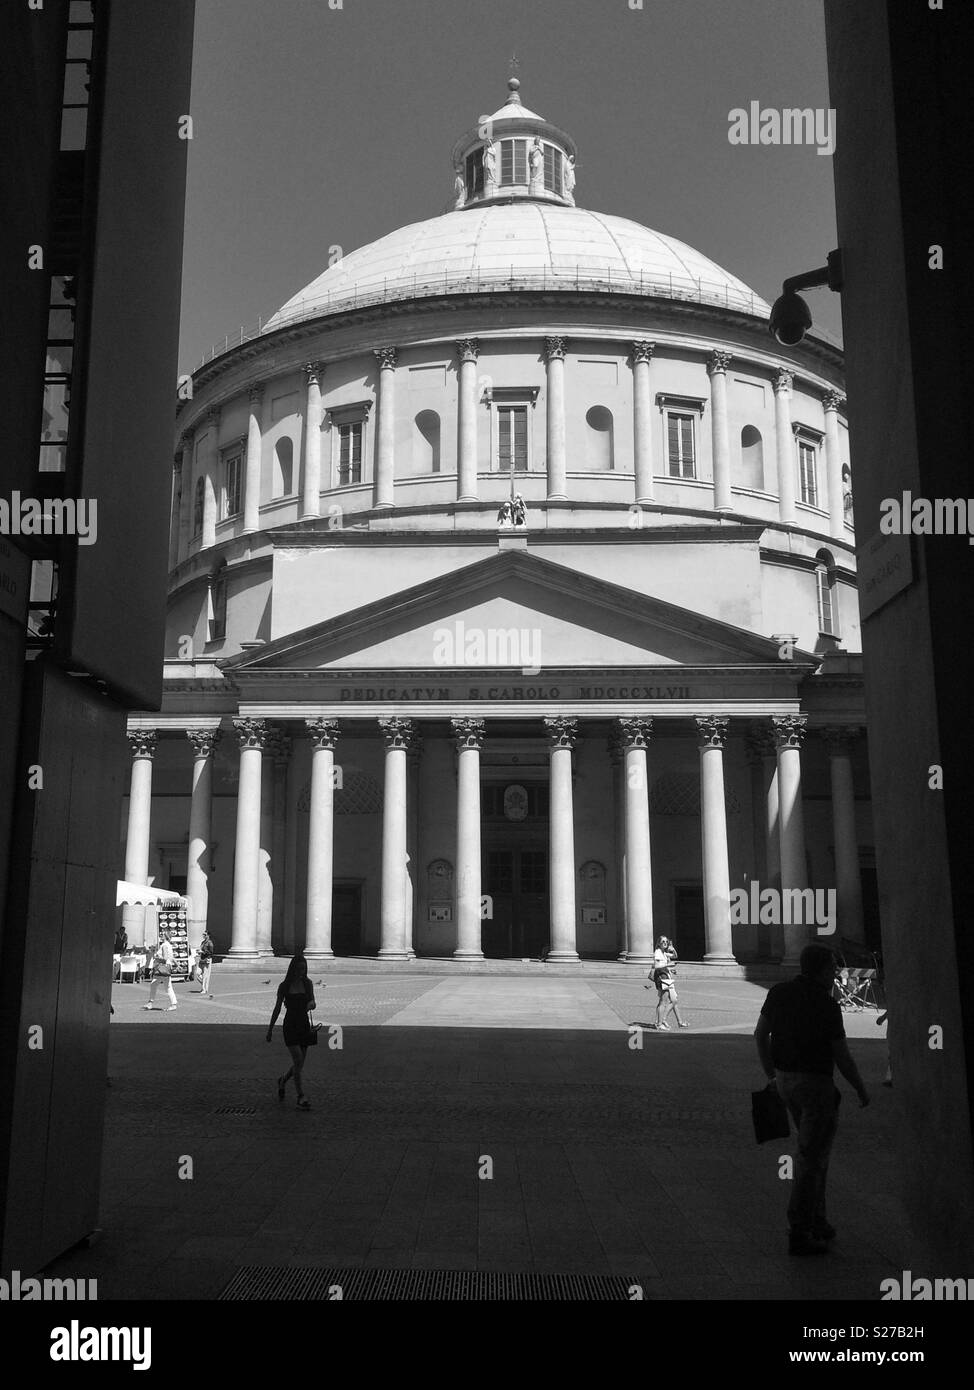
point(664, 969)
point(296, 994)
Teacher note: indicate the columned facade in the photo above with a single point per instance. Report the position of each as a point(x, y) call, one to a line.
point(251, 734)
point(713, 825)
point(385, 443)
point(784, 445)
point(143, 746)
point(467, 352)
point(398, 735)
point(469, 734)
point(642, 407)
point(562, 736)
point(789, 734)
point(634, 736)
point(311, 470)
point(321, 831)
point(557, 457)
point(720, 436)
point(204, 742)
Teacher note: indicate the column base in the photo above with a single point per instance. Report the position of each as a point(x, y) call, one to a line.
point(243, 953)
point(557, 497)
point(469, 497)
point(392, 953)
point(383, 506)
point(468, 955)
point(649, 501)
point(719, 958)
point(319, 955)
point(635, 958)
point(562, 957)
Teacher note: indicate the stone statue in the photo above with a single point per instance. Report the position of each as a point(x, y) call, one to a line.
point(568, 179)
point(537, 165)
point(490, 164)
point(504, 514)
point(459, 187)
point(517, 509)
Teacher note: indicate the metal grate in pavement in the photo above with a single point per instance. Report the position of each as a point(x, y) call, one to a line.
point(445, 1285)
point(236, 1110)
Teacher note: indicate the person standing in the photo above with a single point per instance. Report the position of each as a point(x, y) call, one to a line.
point(664, 971)
point(162, 968)
point(204, 963)
point(800, 1039)
point(296, 995)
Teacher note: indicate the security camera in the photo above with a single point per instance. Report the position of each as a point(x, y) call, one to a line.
point(790, 319)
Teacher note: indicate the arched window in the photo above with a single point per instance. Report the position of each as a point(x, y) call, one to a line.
point(283, 467)
point(824, 581)
point(427, 442)
point(218, 604)
point(598, 439)
point(198, 506)
point(752, 458)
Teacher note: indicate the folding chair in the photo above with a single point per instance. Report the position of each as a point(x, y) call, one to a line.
point(131, 966)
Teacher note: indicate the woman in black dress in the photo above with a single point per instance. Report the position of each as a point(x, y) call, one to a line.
point(296, 994)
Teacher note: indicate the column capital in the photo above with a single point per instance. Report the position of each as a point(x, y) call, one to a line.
point(314, 371)
point(251, 733)
point(255, 393)
point(833, 400)
point(386, 357)
point(562, 733)
point(718, 361)
point(839, 738)
point(759, 743)
point(633, 733)
point(469, 733)
point(468, 349)
point(711, 731)
point(642, 351)
point(204, 741)
point(398, 733)
point(789, 730)
point(323, 732)
point(782, 380)
point(555, 348)
point(142, 742)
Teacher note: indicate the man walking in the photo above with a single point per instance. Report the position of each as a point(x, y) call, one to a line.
point(800, 1038)
point(162, 966)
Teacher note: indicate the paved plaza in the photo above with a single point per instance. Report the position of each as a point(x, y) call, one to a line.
point(606, 1159)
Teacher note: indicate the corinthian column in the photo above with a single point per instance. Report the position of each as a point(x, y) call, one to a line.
point(562, 735)
point(143, 745)
point(468, 350)
point(789, 731)
point(557, 465)
point(252, 471)
point(763, 759)
point(385, 448)
point(712, 734)
point(717, 371)
point(833, 464)
point(469, 734)
point(311, 471)
point(394, 944)
point(848, 885)
point(321, 838)
point(642, 420)
point(208, 536)
point(204, 742)
point(265, 860)
point(784, 443)
point(634, 736)
point(251, 734)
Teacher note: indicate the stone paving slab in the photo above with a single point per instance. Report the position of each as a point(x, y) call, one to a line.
point(606, 1157)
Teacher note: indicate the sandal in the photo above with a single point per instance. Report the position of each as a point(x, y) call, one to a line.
point(304, 1103)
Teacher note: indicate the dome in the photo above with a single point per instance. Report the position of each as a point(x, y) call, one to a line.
point(519, 244)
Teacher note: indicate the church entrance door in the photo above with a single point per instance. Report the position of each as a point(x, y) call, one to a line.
point(516, 879)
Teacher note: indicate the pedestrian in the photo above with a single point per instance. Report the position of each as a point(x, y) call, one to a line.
point(296, 994)
point(204, 963)
point(800, 1038)
point(162, 967)
point(121, 942)
point(663, 977)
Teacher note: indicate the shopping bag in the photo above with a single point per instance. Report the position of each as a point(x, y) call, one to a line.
point(770, 1115)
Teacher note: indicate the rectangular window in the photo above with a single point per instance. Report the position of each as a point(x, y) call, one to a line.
point(680, 445)
point(514, 161)
point(806, 473)
point(512, 422)
point(231, 486)
point(350, 453)
point(552, 169)
point(475, 173)
point(826, 617)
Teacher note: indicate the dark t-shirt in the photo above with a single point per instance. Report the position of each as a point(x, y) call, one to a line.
point(805, 1020)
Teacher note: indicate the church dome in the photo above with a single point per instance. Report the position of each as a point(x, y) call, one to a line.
point(519, 244)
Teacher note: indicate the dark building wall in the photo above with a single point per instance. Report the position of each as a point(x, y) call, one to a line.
point(902, 174)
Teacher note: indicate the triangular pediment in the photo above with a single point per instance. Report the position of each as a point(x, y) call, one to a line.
point(514, 610)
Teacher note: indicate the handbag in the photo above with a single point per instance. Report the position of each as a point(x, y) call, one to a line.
point(313, 1035)
point(770, 1115)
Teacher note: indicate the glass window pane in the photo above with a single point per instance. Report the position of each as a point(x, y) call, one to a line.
point(59, 357)
point(80, 12)
point(79, 43)
point(74, 128)
point(60, 325)
point(76, 84)
point(52, 458)
point(54, 425)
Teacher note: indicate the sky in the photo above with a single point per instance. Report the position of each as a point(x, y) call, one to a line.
point(316, 127)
